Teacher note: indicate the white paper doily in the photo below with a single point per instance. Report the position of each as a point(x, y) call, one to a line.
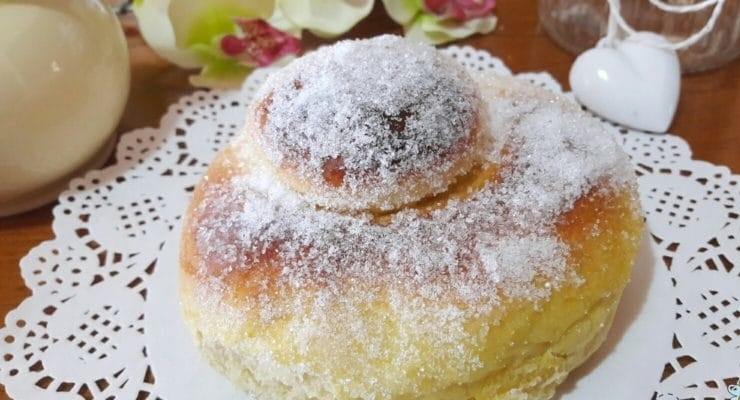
point(103, 320)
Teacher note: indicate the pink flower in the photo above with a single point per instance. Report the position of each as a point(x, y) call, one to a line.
point(259, 43)
point(461, 10)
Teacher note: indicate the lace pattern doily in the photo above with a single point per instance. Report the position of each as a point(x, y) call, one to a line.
point(88, 330)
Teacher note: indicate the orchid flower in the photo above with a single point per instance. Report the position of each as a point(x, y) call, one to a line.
point(440, 21)
point(227, 39)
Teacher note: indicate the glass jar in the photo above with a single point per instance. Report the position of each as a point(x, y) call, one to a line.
point(64, 80)
point(577, 25)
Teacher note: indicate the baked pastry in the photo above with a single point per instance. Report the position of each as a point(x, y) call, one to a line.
point(351, 128)
point(491, 278)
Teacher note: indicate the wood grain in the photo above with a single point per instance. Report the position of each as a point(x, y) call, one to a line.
point(708, 114)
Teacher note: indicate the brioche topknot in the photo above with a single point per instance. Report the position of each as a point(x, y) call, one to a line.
point(368, 124)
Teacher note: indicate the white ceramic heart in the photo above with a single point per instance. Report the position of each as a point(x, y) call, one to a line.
point(635, 83)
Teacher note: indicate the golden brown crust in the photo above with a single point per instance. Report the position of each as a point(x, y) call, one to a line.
point(264, 269)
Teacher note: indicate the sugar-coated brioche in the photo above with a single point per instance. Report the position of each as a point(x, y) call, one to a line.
point(492, 285)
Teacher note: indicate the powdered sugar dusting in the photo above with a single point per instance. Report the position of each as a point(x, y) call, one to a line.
point(374, 111)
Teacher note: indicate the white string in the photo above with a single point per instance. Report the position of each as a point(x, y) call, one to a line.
point(682, 9)
point(612, 27)
point(616, 19)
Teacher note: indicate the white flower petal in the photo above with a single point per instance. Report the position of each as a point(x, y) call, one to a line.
point(473, 26)
point(325, 17)
point(155, 27)
point(402, 11)
point(220, 82)
point(279, 21)
point(429, 29)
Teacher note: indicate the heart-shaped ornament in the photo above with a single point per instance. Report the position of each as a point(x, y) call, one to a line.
point(635, 83)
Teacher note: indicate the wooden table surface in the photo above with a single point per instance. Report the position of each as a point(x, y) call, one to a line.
point(708, 114)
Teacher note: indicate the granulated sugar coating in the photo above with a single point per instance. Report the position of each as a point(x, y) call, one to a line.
point(493, 285)
point(494, 242)
point(358, 139)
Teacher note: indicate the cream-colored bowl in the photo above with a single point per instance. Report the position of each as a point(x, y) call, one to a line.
point(64, 80)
